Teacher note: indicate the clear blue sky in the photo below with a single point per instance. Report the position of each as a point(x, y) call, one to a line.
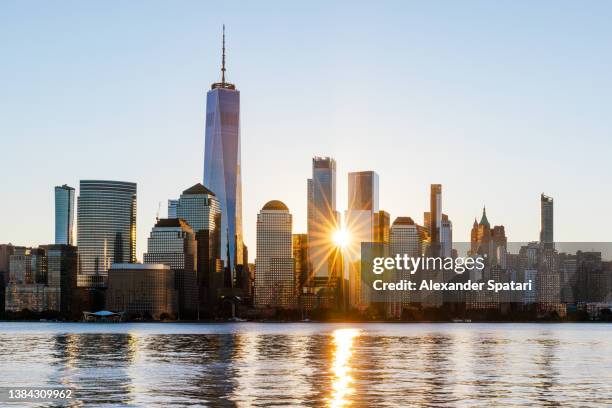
point(498, 101)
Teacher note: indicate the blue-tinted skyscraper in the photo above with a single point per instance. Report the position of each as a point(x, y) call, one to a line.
point(64, 214)
point(222, 166)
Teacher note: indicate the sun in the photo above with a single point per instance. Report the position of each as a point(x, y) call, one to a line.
point(341, 238)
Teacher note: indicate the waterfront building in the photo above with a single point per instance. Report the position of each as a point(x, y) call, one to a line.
point(200, 208)
point(172, 242)
point(222, 169)
point(142, 291)
point(275, 285)
point(62, 261)
point(360, 223)
point(406, 238)
point(42, 279)
point(300, 255)
point(323, 220)
point(106, 228)
point(64, 215)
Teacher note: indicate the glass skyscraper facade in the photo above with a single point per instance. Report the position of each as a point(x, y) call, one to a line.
point(106, 228)
point(360, 223)
point(323, 219)
point(64, 214)
point(222, 172)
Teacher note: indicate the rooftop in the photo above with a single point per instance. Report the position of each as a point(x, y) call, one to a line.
point(198, 189)
point(275, 205)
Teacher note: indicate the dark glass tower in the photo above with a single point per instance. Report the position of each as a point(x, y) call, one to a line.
point(222, 172)
point(64, 214)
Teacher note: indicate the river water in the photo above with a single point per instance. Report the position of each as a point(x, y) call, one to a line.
point(312, 364)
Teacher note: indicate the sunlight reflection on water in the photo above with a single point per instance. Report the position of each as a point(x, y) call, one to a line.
point(250, 364)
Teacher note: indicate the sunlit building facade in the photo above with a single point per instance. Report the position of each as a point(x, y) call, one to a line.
point(435, 221)
point(222, 168)
point(360, 223)
point(275, 285)
point(323, 218)
point(106, 228)
point(64, 215)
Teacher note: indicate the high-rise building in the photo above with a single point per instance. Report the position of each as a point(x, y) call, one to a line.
point(323, 219)
point(172, 242)
point(406, 238)
point(300, 254)
point(64, 214)
point(142, 290)
point(222, 167)
point(274, 264)
point(360, 223)
point(446, 237)
point(172, 206)
point(382, 221)
point(546, 222)
point(6, 250)
point(106, 228)
point(62, 277)
point(199, 207)
point(489, 242)
point(435, 221)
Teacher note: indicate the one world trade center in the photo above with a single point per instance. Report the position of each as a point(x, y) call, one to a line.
point(222, 172)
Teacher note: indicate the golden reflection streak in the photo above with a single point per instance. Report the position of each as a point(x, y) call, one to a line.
point(341, 384)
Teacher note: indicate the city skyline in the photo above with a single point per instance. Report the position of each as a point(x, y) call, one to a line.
point(334, 133)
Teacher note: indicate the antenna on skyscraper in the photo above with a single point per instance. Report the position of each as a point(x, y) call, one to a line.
point(223, 58)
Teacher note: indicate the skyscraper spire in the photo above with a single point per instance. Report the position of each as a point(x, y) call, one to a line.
point(223, 84)
point(223, 58)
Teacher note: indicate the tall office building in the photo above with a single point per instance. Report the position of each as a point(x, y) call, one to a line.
point(406, 238)
point(222, 166)
point(360, 223)
point(300, 254)
point(446, 237)
point(382, 221)
point(64, 214)
point(106, 228)
point(546, 222)
point(274, 264)
point(199, 207)
point(172, 242)
point(435, 221)
point(323, 219)
point(62, 271)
